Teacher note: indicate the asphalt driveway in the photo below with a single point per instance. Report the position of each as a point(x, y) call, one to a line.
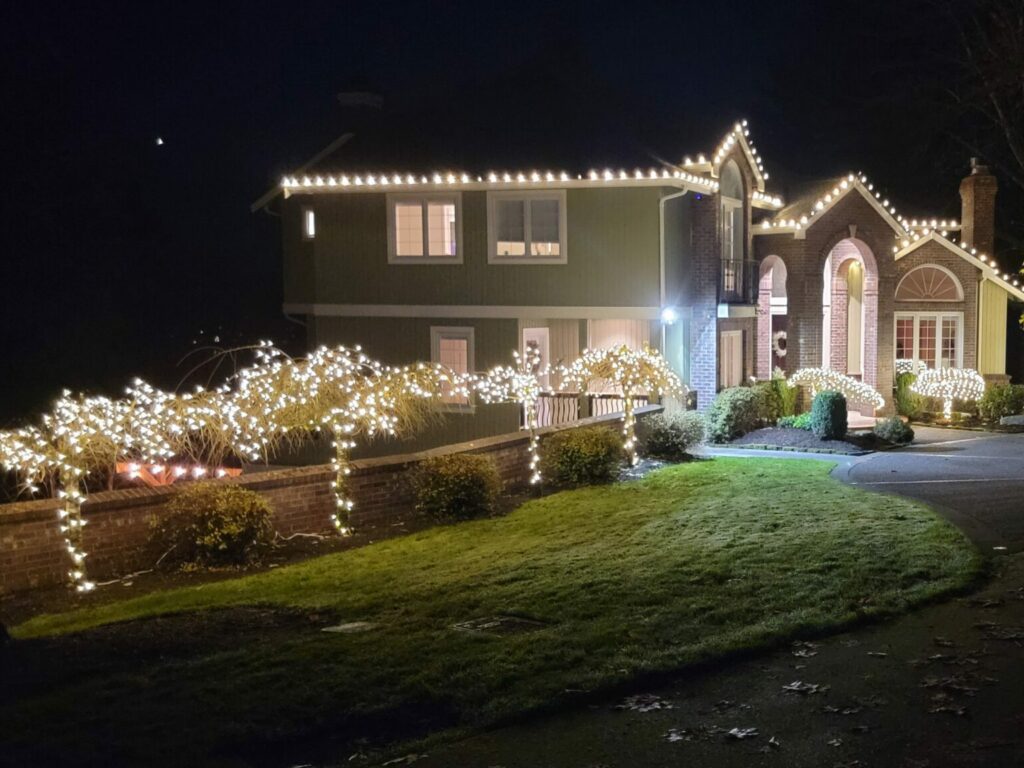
point(976, 479)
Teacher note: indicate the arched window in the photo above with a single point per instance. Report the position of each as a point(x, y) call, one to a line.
point(929, 282)
point(733, 232)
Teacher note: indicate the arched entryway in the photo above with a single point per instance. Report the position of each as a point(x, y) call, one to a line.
point(772, 317)
point(849, 303)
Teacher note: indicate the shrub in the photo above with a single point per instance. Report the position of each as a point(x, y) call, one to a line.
point(828, 415)
point(214, 524)
point(893, 430)
point(670, 435)
point(771, 401)
point(735, 412)
point(458, 486)
point(581, 456)
point(908, 403)
point(803, 421)
point(1005, 400)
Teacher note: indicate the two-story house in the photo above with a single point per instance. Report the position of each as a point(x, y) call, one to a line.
point(699, 259)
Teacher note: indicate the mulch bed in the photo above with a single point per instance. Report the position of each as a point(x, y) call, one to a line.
point(802, 439)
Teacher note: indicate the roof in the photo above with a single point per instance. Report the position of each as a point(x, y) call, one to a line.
point(698, 175)
point(987, 265)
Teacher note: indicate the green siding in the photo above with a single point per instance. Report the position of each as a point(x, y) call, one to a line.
point(612, 242)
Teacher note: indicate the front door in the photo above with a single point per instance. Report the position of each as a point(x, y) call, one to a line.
point(730, 358)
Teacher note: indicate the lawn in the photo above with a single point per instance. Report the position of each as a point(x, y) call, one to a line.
point(688, 564)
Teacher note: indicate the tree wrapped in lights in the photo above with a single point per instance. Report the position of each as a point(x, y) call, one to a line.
point(949, 384)
point(634, 373)
point(820, 379)
point(518, 384)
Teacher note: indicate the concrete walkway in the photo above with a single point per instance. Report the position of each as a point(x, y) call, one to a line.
point(940, 688)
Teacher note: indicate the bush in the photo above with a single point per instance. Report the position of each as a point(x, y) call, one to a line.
point(803, 421)
point(670, 435)
point(215, 524)
point(828, 415)
point(1005, 400)
point(735, 412)
point(458, 486)
point(908, 403)
point(893, 430)
point(779, 399)
point(581, 456)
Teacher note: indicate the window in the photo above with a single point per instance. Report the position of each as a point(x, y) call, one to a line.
point(308, 223)
point(934, 339)
point(526, 227)
point(453, 348)
point(424, 229)
point(929, 282)
point(732, 246)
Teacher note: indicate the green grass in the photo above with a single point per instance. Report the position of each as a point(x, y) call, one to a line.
point(691, 563)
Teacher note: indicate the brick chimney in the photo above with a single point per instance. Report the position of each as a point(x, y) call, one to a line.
point(978, 216)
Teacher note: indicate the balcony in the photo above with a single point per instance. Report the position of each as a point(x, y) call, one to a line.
point(737, 282)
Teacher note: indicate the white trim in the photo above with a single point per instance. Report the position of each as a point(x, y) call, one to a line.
point(526, 196)
point(737, 310)
point(938, 316)
point(748, 154)
point(424, 198)
point(477, 311)
point(703, 185)
point(949, 273)
point(815, 215)
point(437, 332)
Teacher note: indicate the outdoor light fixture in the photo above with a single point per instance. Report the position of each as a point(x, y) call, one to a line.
point(669, 315)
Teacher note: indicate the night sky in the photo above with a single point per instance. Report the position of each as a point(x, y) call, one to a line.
point(117, 252)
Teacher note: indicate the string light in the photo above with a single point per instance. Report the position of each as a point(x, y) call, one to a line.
point(634, 372)
point(949, 384)
point(822, 379)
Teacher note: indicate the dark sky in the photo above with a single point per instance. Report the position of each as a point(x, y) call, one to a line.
point(117, 252)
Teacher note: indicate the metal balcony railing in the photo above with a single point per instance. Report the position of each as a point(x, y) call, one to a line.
point(737, 281)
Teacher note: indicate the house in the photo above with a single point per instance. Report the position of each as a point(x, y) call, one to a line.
point(701, 259)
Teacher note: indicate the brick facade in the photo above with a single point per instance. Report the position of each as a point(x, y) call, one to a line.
point(31, 545)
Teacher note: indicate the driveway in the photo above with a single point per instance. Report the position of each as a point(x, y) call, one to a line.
point(976, 479)
point(942, 687)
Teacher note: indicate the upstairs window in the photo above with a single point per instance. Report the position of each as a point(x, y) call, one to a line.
point(526, 227)
point(424, 229)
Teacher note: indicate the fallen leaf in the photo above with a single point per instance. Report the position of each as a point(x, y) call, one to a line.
point(805, 689)
point(742, 733)
point(644, 702)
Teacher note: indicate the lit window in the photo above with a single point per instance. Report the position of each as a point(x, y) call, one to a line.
point(933, 339)
point(732, 245)
point(527, 227)
point(423, 229)
point(453, 348)
point(308, 223)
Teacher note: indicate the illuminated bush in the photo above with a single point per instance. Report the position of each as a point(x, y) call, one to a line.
point(213, 524)
point(949, 384)
point(821, 379)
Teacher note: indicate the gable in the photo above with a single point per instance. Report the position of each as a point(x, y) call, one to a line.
point(986, 265)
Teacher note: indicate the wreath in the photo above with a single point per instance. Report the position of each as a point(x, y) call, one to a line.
point(779, 343)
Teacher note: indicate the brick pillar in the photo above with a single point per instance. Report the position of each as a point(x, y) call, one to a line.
point(703, 299)
point(763, 342)
point(978, 213)
point(839, 326)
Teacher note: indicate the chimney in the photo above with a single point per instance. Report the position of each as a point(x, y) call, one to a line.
point(978, 216)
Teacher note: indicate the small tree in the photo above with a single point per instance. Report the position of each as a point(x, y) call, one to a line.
point(519, 384)
point(633, 372)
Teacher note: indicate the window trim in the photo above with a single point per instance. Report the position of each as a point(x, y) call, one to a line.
point(526, 195)
point(929, 265)
point(438, 332)
point(423, 198)
point(308, 217)
point(937, 316)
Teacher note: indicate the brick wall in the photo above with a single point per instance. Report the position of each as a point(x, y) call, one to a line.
point(31, 545)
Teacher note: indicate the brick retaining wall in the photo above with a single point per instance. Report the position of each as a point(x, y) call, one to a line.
point(31, 545)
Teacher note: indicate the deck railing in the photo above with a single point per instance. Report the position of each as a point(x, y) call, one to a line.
point(566, 407)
